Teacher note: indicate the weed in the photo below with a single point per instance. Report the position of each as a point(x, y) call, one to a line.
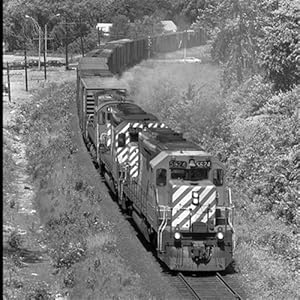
point(69, 279)
point(15, 240)
point(38, 291)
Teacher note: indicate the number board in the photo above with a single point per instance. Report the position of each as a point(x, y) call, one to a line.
point(203, 164)
point(134, 130)
point(177, 164)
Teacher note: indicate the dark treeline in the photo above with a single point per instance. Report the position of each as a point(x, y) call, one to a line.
point(82, 17)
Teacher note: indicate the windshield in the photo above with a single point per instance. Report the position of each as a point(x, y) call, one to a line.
point(193, 174)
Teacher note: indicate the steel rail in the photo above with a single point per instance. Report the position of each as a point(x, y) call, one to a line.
point(236, 295)
point(188, 286)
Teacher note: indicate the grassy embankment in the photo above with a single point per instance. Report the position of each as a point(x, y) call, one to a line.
point(81, 246)
point(188, 99)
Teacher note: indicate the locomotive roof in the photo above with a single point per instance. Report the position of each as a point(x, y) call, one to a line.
point(130, 111)
point(96, 82)
point(168, 139)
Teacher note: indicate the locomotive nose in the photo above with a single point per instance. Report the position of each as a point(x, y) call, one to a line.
point(192, 205)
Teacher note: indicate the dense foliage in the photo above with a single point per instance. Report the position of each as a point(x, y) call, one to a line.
point(280, 49)
point(76, 24)
point(248, 35)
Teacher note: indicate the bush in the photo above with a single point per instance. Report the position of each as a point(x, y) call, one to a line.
point(266, 155)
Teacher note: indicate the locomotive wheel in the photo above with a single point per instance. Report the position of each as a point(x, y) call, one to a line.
point(153, 239)
point(101, 169)
point(119, 200)
point(124, 204)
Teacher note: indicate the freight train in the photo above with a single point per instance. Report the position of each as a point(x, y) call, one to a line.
point(173, 189)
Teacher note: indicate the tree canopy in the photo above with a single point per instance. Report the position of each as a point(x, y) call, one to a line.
point(249, 34)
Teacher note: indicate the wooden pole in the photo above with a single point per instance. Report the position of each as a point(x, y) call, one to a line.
point(39, 47)
point(45, 54)
point(81, 39)
point(66, 41)
point(8, 83)
point(26, 78)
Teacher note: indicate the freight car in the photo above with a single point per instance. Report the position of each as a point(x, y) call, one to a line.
point(125, 53)
point(173, 189)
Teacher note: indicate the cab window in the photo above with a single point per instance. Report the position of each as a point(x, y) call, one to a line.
point(121, 140)
point(102, 120)
point(194, 174)
point(218, 175)
point(134, 136)
point(178, 173)
point(161, 177)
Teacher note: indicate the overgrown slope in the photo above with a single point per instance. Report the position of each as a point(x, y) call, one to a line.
point(81, 245)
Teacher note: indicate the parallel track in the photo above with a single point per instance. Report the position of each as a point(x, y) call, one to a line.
point(204, 288)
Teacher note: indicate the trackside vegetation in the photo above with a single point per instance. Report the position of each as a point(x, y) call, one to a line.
point(244, 108)
point(81, 246)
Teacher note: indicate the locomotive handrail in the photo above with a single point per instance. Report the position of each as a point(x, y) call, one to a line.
point(162, 226)
point(229, 221)
point(232, 207)
point(110, 103)
point(230, 199)
point(156, 196)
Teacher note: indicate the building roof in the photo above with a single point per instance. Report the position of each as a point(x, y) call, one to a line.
point(104, 27)
point(169, 26)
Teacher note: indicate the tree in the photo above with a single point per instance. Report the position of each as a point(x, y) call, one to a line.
point(120, 28)
point(234, 27)
point(145, 27)
point(281, 46)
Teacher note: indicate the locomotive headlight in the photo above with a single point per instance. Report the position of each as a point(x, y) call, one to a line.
point(177, 236)
point(192, 163)
point(220, 235)
point(195, 198)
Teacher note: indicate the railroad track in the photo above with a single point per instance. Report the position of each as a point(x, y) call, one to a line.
point(204, 288)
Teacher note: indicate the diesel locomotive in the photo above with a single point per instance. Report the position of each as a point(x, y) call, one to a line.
point(173, 189)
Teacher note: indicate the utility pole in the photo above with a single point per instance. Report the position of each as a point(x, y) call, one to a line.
point(184, 43)
point(45, 50)
point(8, 83)
point(45, 63)
point(81, 38)
point(26, 78)
point(40, 42)
point(66, 41)
point(40, 33)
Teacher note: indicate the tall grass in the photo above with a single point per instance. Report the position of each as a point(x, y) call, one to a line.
point(81, 245)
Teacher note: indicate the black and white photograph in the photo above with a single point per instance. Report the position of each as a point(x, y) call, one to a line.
point(151, 149)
